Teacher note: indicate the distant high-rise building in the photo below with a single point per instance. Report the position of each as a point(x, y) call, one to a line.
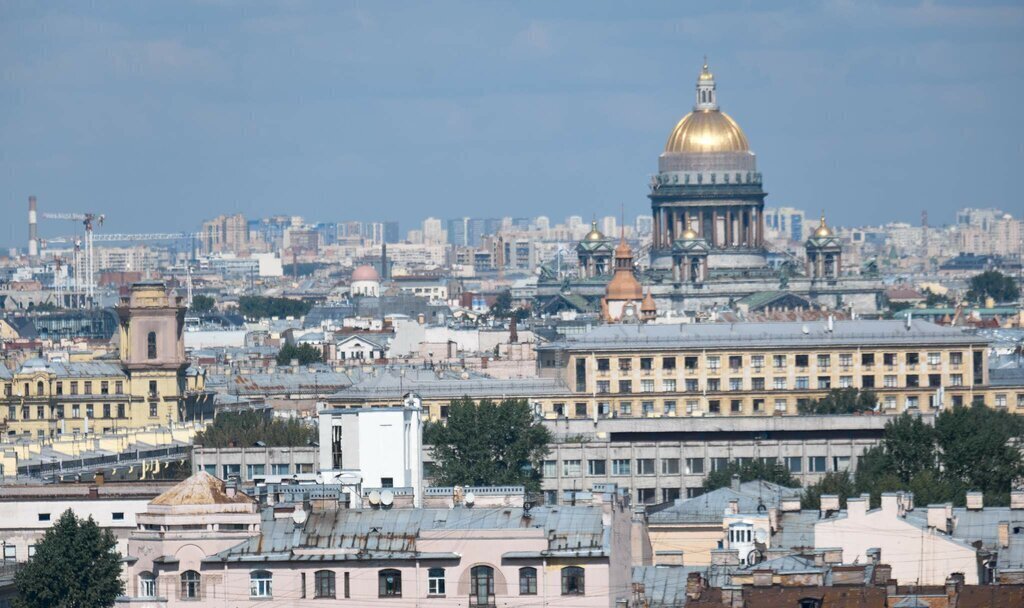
point(644, 224)
point(225, 233)
point(433, 232)
point(391, 232)
point(785, 222)
point(458, 231)
point(610, 225)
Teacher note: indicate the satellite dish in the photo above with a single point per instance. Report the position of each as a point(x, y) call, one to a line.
point(754, 557)
point(760, 535)
point(299, 516)
point(374, 497)
point(387, 498)
point(469, 498)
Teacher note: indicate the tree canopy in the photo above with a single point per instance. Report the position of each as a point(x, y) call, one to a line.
point(244, 428)
point(842, 401)
point(488, 444)
point(263, 306)
point(202, 304)
point(750, 470)
point(992, 284)
point(969, 448)
point(76, 565)
point(305, 353)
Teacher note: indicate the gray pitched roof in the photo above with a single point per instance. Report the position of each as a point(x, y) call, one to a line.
point(392, 384)
point(710, 507)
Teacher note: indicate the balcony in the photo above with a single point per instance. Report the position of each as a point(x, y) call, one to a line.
point(479, 601)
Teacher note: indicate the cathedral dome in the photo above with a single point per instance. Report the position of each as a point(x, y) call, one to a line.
point(707, 131)
point(594, 234)
point(365, 273)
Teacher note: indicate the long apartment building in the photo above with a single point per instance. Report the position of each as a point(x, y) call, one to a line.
point(765, 369)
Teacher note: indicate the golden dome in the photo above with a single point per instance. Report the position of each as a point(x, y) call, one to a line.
point(594, 234)
point(689, 234)
point(707, 131)
point(823, 230)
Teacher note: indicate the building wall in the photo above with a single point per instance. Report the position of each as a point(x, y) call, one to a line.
point(23, 523)
point(256, 464)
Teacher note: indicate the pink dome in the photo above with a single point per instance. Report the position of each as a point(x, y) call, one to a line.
point(365, 273)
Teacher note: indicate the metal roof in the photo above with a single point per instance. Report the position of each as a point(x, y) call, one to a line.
point(710, 507)
point(85, 369)
point(359, 533)
point(427, 383)
point(765, 335)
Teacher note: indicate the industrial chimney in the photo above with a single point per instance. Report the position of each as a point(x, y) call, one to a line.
point(33, 235)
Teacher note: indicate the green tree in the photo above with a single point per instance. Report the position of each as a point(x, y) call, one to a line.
point(305, 353)
point(992, 284)
point(838, 483)
point(502, 307)
point(244, 428)
point(202, 304)
point(76, 565)
point(934, 300)
point(750, 470)
point(255, 307)
point(907, 448)
point(489, 444)
point(977, 448)
point(842, 401)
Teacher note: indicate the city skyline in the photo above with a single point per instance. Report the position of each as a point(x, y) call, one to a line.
point(286, 110)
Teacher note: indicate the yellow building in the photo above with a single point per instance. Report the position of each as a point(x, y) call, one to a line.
point(746, 369)
point(144, 387)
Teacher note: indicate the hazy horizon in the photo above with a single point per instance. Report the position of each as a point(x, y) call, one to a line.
point(162, 115)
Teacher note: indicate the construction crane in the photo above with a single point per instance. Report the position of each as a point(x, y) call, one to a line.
point(87, 220)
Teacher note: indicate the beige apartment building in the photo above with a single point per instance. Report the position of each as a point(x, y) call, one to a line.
point(765, 369)
point(145, 386)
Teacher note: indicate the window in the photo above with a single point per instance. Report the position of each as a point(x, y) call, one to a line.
point(757, 384)
point(389, 583)
point(802, 382)
point(690, 362)
point(691, 385)
point(190, 589)
point(824, 382)
point(581, 410)
point(714, 362)
point(867, 359)
point(645, 496)
point(757, 361)
point(147, 584)
point(625, 364)
point(528, 581)
point(694, 466)
point(735, 384)
point(934, 358)
point(550, 469)
point(346, 590)
point(153, 413)
point(714, 406)
point(956, 379)
point(913, 359)
point(889, 359)
point(645, 466)
point(719, 464)
point(845, 361)
point(669, 466)
point(802, 360)
point(279, 469)
point(625, 386)
point(735, 362)
point(956, 358)
point(714, 384)
point(44, 517)
point(260, 584)
point(845, 381)
point(232, 470)
point(890, 402)
point(778, 361)
point(620, 466)
point(889, 381)
point(647, 386)
point(10, 553)
point(482, 580)
point(670, 408)
point(119, 387)
point(151, 345)
point(572, 580)
point(935, 380)
point(668, 363)
point(255, 470)
point(816, 464)
point(625, 408)
point(867, 382)
point(809, 602)
point(669, 494)
point(597, 467)
point(1001, 400)
point(602, 365)
point(60, 388)
point(435, 581)
point(647, 407)
point(646, 363)
point(152, 388)
point(74, 388)
point(794, 464)
point(669, 386)
point(104, 387)
point(604, 386)
point(840, 463)
point(736, 406)
point(120, 410)
point(117, 516)
point(571, 468)
point(913, 381)
point(106, 410)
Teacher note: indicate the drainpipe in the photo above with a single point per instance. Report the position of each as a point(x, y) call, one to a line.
point(544, 579)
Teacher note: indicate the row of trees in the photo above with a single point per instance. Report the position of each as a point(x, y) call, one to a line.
point(246, 428)
point(304, 353)
point(255, 307)
point(968, 448)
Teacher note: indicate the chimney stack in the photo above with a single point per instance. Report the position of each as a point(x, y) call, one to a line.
point(33, 234)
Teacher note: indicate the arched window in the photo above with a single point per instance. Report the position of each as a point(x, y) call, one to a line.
point(572, 580)
point(40, 389)
point(260, 584)
point(435, 581)
point(482, 589)
point(528, 581)
point(190, 589)
point(151, 345)
point(147, 584)
point(324, 581)
point(389, 583)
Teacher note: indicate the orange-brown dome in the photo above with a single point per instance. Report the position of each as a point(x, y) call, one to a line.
point(648, 304)
point(365, 273)
point(624, 286)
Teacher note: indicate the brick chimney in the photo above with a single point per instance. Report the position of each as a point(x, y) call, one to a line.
point(975, 501)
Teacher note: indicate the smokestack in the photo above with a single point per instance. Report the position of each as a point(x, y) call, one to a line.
point(33, 235)
point(384, 261)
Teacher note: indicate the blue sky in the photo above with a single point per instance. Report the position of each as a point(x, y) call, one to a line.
point(163, 114)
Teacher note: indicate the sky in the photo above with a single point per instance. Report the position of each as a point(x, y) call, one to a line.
point(162, 114)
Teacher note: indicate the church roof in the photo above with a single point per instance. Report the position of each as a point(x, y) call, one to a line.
point(200, 489)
